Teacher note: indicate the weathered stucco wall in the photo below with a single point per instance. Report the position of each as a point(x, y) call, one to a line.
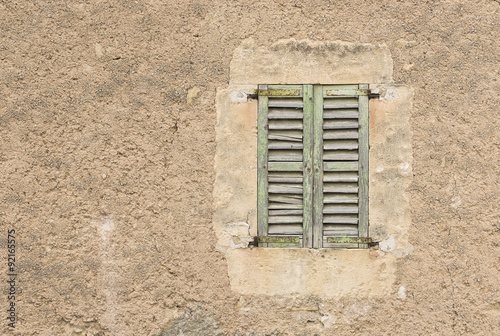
point(108, 113)
point(327, 273)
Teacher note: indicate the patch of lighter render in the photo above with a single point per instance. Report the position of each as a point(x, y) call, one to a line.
point(222, 249)
point(305, 61)
point(105, 228)
point(404, 166)
point(386, 93)
point(389, 245)
point(109, 276)
point(456, 201)
point(240, 234)
point(241, 96)
point(402, 293)
point(401, 253)
point(355, 310)
point(328, 321)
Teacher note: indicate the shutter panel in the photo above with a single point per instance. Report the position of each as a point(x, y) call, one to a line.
point(285, 165)
point(341, 164)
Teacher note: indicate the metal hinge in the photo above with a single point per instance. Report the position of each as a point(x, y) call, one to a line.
point(276, 239)
point(351, 240)
point(343, 92)
point(277, 92)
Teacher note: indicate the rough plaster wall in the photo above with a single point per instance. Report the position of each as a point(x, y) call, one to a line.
point(100, 88)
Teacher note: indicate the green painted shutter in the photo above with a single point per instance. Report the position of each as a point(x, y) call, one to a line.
point(312, 164)
point(342, 152)
point(285, 165)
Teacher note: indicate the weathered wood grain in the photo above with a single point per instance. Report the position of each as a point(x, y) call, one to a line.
point(340, 134)
point(308, 177)
point(363, 164)
point(340, 166)
point(340, 199)
point(333, 209)
point(285, 166)
point(332, 156)
point(262, 199)
point(318, 168)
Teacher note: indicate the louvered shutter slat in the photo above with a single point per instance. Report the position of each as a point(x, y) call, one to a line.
point(285, 113)
point(285, 212)
point(285, 166)
point(283, 206)
point(289, 229)
point(341, 106)
point(342, 114)
point(340, 134)
point(284, 145)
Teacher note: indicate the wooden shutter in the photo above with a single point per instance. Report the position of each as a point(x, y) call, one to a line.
point(285, 165)
point(312, 165)
point(341, 165)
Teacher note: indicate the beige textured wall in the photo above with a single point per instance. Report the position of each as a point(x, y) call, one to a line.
point(108, 139)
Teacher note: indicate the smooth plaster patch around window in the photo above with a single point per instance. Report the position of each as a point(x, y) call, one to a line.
point(328, 273)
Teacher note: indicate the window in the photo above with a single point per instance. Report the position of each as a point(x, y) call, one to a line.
point(312, 166)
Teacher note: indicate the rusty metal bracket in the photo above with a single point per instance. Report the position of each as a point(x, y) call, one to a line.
point(349, 240)
point(373, 95)
point(276, 239)
point(275, 93)
point(335, 93)
point(339, 93)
